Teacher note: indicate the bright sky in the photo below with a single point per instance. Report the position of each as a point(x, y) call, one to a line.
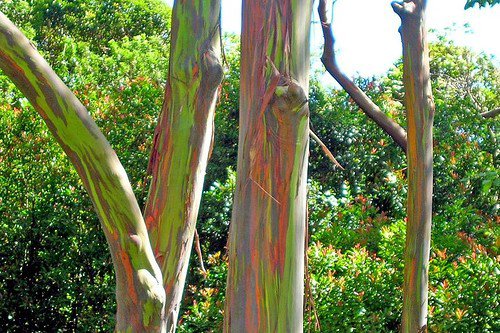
point(366, 31)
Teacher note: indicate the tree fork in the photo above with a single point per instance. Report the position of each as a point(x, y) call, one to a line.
point(139, 293)
point(182, 142)
point(420, 113)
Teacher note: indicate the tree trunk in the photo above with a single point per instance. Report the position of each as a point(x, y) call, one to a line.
point(266, 241)
point(139, 293)
point(420, 113)
point(182, 142)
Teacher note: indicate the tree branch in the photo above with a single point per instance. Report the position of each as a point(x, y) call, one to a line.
point(327, 151)
point(393, 129)
point(197, 247)
point(491, 114)
point(140, 295)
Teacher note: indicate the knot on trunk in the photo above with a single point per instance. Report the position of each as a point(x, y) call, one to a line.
point(211, 69)
point(289, 97)
point(153, 298)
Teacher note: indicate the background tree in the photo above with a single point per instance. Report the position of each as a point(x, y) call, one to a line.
point(480, 3)
point(420, 115)
point(420, 112)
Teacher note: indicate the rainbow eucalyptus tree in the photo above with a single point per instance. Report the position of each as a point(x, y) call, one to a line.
point(182, 142)
point(139, 292)
point(420, 113)
point(267, 233)
point(150, 256)
point(417, 144)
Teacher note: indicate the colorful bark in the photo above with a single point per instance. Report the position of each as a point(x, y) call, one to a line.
point(139, 294)
point(182, 142)
point(266, 242)
point(420, 113)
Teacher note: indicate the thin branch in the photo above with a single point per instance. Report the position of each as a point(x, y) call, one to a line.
point(308, 295)
point(393, 129)
point(266, 192)
point(325, 149)
point(197, 247)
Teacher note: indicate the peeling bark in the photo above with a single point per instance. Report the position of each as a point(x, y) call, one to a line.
point(266, 243)
point(139, 293)
point(182, 142)
point(393, 129)
point(420, 112)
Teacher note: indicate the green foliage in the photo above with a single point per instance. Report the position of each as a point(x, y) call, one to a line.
point(480, 3)
point(215, 213)
point(464, 293)
point(354, 290)
point(206, 299)
point(94, 21)
point(55, 269)
point(371, 159)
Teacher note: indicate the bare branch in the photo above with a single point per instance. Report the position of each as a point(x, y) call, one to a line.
point(393, 129)
point(197, 247)
point(325, 149)
point(491, 114)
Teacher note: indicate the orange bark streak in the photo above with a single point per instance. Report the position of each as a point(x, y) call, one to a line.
point(130, 276)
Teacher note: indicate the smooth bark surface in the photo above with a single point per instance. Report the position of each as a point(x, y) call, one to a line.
point(420, 112)
point(266, 241)
point(393, 129)
point(182, 142)
point(139, 293)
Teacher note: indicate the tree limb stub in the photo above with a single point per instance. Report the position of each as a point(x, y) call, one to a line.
point(393, 129)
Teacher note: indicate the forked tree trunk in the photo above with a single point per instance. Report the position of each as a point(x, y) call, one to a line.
point(178, 161)
point(420, 113)
point(182, 142)
point(139, 292)
point(266, 241)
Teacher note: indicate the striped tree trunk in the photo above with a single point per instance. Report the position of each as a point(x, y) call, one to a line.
point(266, 241)
point(420, 112)
point(182, 142)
